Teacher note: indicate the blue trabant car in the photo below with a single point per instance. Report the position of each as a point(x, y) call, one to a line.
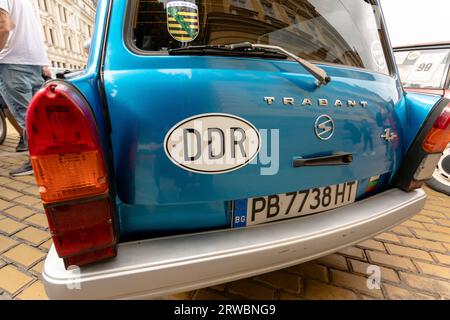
point(209, 141)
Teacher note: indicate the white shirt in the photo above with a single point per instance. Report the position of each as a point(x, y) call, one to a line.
point(25, 44)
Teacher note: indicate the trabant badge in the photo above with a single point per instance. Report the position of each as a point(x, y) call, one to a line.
point(321, 102)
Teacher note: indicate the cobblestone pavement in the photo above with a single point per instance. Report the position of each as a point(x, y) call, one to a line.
point(414, 257)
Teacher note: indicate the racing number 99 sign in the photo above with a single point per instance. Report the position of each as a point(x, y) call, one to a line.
point(427, 66)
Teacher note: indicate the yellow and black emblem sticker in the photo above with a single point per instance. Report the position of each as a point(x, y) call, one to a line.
point(182, 20)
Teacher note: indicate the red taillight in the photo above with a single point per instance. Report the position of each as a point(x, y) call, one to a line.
point(82, 227)
point(439, 135)
point(70, 171)
point(64, 147)
point(90, 257)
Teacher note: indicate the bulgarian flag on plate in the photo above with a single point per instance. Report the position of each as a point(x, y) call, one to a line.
point(373, 183)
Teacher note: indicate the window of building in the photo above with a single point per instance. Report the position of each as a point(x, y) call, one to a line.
point(44, 32)
point(70, 43)
point(268, 8)
point(291, 16)
point(52, 36)
point(62, 14)
point(239, 3)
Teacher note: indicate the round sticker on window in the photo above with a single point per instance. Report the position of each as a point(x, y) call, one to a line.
point(413, 55)
point(182, 20)
point(378, 55)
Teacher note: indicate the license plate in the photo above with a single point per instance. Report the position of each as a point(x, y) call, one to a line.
point(249, 212)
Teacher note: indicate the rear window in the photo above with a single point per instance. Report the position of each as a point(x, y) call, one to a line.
point(424, 69)
point(344, 32)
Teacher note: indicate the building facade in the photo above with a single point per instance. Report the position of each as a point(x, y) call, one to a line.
point(66, 25)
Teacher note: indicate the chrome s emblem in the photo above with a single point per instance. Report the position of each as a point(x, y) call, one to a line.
point(324, 127)
point(388, 135)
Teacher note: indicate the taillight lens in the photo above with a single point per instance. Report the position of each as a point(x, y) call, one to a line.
point(433, 145)
point(81, 228)
point(71, 173)
point(64, 147)
point(439, 135)
point(91, 257)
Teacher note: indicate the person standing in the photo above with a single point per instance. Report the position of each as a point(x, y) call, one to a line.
point(22, 58)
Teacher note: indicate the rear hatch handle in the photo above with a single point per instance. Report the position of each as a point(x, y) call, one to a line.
point(336, 159)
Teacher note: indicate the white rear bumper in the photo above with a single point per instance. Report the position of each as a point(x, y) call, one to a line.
point(164, 266)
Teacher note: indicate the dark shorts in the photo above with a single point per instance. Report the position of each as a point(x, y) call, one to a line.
point(18, 84)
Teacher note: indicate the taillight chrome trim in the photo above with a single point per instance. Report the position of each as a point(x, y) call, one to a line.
point(404, 178)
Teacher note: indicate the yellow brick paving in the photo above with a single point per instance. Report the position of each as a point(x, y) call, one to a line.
point(414, 258)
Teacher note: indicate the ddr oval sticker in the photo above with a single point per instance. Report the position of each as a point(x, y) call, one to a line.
point(212, 143)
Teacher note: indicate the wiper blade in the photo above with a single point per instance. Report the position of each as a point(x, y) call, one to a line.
point(318, 73)
point(199, 48)
point(226, 50)
point(258, 50)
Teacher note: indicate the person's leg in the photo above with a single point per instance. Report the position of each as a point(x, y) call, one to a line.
point(21, 146)
point(9, 98)
point(16, 90)
point(10, 117)
point(17, 85)
point(13, 121)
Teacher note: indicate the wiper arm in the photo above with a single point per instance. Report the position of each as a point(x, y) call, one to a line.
point(318, 73)
point(256, 50)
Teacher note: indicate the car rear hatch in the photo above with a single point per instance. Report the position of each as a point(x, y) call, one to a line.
point(151, 94)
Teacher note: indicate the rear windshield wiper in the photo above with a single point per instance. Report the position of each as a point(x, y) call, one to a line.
point(226, 51)
point(257, 50)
